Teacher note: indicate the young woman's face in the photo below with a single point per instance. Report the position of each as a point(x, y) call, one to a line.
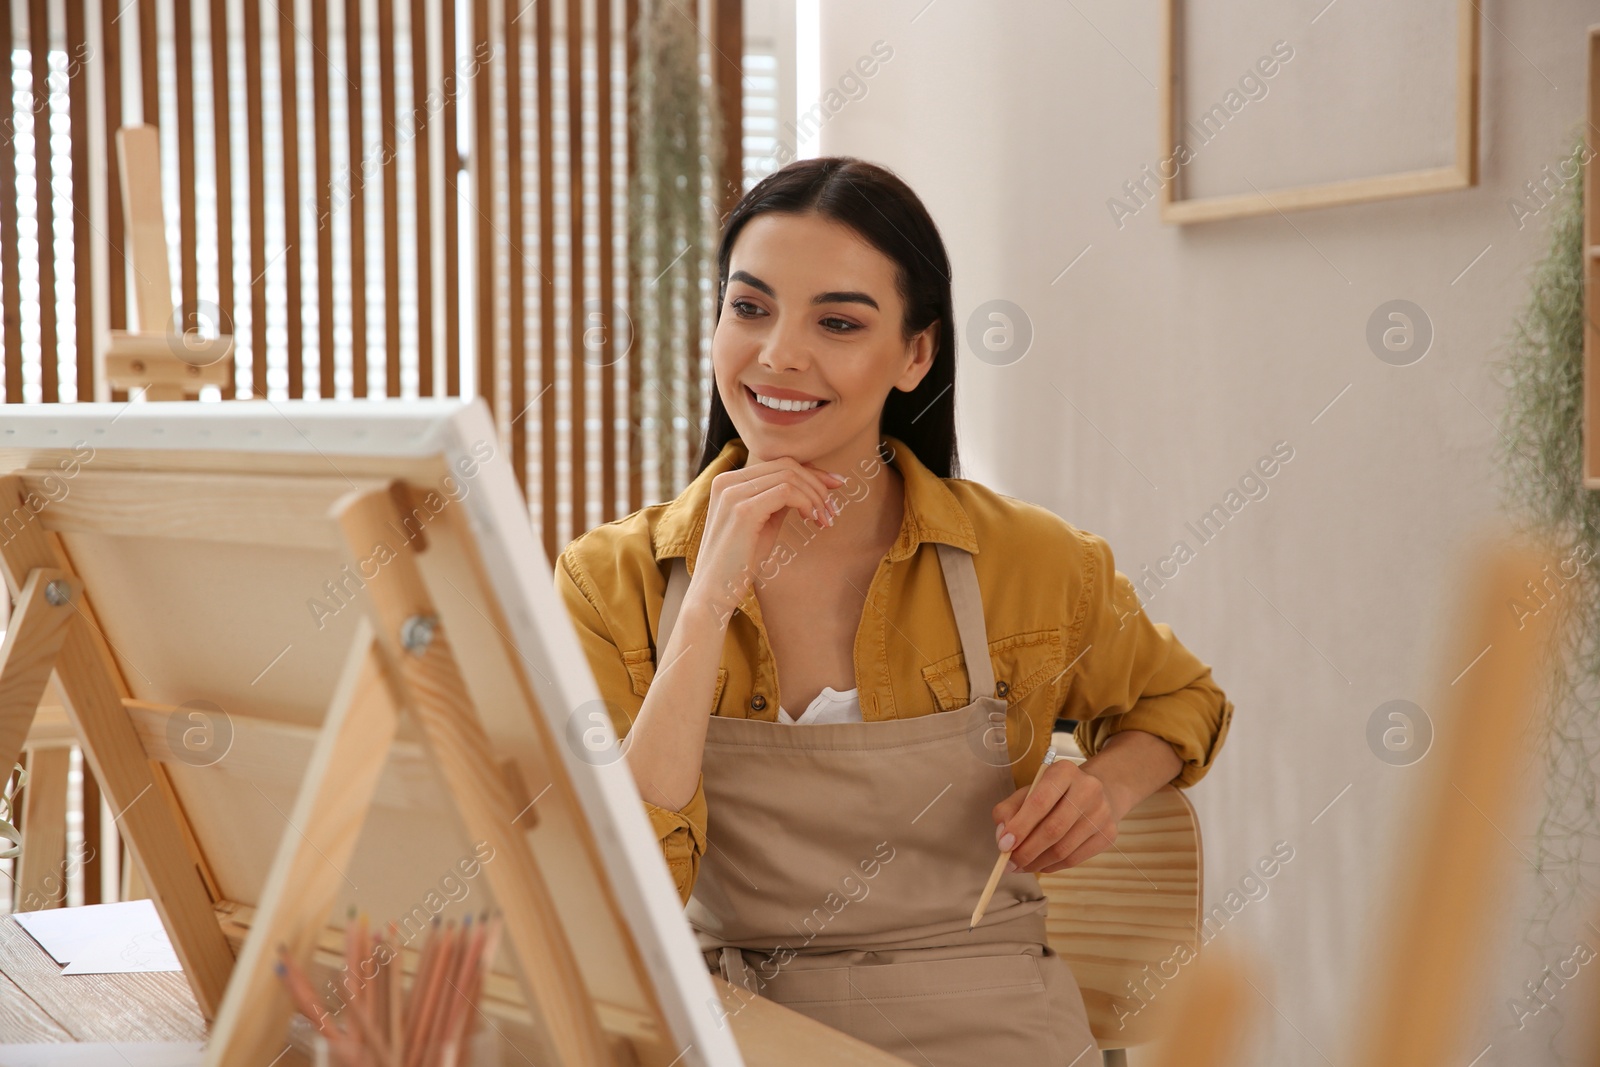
point(811, 313)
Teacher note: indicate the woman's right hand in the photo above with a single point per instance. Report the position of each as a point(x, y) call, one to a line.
point(748, 508)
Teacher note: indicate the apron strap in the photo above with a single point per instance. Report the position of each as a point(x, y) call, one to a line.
point(677, 586)
point(961, 580)
point(731, 963)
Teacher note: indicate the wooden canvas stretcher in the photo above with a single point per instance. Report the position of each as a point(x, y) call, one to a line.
point(314, 655)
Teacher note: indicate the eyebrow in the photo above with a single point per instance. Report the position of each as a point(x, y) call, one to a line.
point(836, 297)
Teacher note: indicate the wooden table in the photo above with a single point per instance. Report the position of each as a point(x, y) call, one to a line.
point(39, 1004)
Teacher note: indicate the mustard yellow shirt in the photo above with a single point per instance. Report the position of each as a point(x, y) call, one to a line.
point(1067, 636)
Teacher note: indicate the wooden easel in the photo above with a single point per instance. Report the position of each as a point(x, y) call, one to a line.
point(1439, 919)
point(421, 717)
point(159, 357)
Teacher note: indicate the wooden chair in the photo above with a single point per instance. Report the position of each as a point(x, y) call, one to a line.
point(1122, 919)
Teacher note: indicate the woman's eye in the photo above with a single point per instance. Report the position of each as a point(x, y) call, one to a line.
point(746, 310)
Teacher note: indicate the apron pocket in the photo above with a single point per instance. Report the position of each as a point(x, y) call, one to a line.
point(970, 1011)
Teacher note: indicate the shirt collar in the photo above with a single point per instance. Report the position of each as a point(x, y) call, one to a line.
point(932, 512)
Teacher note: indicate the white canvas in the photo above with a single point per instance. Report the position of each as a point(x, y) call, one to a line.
point(521, 578)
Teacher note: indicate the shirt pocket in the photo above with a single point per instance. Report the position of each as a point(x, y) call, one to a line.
point(1023, 661)
point(641, 664)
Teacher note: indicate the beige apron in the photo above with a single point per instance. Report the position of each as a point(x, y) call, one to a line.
point(844, 861)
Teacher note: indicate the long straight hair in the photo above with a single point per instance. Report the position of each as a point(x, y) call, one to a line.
point(883, 210)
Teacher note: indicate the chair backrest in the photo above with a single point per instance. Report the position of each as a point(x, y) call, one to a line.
point(1128, 919)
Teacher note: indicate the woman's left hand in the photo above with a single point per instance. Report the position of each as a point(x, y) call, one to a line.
point(1071, 816)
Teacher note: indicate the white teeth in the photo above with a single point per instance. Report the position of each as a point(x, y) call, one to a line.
point(786, 405)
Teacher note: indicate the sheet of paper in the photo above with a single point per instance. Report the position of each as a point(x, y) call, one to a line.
point(116, 938)
point(139, 1054)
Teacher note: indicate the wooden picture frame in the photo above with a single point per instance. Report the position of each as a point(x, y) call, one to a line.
point(1460, 173)
point(351, 596)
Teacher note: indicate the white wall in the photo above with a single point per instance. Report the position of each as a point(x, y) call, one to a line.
point(1187, 352)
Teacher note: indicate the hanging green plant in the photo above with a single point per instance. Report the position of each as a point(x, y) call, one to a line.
point(10, 818)
point(1541, 465)
point(672, 229)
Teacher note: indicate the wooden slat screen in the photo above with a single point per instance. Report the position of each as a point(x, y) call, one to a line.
point(10, 237)
point(384, 198)
point(45, 199)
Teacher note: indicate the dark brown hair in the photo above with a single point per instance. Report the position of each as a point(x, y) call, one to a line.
point(876, 204)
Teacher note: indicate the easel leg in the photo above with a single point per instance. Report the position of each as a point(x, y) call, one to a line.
point(93, 687)
point(435, 692)
point(307, 871)
point(131, 881)
point(33, 641)
point(42, 876)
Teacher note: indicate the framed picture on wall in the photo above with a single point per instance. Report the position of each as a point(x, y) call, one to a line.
point(1591, 275)
point(1267, 110)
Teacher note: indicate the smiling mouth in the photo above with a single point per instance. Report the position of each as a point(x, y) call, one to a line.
point(772, 404)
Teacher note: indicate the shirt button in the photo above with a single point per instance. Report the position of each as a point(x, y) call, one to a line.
point(1001, 689)
point(758, 702)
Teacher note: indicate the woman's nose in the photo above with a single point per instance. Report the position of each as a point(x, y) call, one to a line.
point(786, 349)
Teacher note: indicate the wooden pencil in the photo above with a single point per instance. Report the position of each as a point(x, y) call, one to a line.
point(302, 996)
point(373, 1044)
point(419, 983)
point(496, 928)
point(310, 1005)
point(491, 942)
point(384, 1025)
point(380, 990)
point(394, 980)
point(360, 1002)
point(450, 1001)
point(421, 1010)
point(352, 977)
point(1000, 864)
point(463, 1002)
point(441, 993)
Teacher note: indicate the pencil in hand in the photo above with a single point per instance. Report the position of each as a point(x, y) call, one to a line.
point(1000, 864)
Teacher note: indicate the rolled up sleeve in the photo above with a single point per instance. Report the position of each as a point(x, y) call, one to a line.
point(1134, 674)
point(683, 837)
point(682, 834)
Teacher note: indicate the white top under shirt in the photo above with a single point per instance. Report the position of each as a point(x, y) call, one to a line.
point(831, 705)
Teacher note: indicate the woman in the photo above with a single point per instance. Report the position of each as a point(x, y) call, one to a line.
point(835, 666)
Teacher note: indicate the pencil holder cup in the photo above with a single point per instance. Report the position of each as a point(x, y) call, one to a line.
point(485, 1049)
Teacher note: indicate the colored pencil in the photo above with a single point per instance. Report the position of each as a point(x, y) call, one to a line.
point(385, 1025)
point(440, 990)
point(419, 985)
point(461, 1003)
point(469, 1012)
point(396, 981)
